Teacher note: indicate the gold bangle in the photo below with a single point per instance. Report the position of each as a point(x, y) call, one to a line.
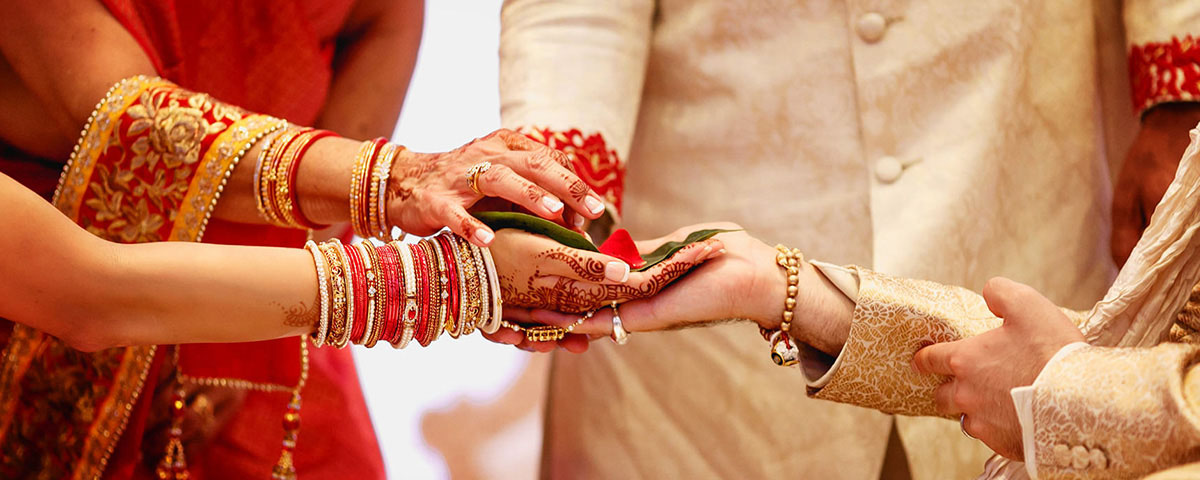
point(493, 302)
point(343, 336)
point(283, 178)
point(318, 336)
point(269, 176)
point(337, 281)
point(359, 176)
point(377, 200)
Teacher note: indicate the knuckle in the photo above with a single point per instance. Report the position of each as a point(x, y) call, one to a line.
point(962, 399)
point(957, 365)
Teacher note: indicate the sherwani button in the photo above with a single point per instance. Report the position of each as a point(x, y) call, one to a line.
point(1080, 457)
point(1062, 456)
point(888, 169)
point(870, 27)
point(1099, 459)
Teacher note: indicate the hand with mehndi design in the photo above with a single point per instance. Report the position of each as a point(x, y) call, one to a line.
point(539, 273)
point(738, 281)
point(984, 369)
point(430, 190)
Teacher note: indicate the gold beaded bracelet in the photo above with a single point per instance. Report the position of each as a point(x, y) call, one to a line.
point(783, 350)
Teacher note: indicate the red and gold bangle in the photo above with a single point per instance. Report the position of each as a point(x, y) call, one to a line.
point(408, 314)
point(451, 293)
point(359, 281)
point(368, 300)
point(337, 283)
point(437, 294)
point(430, 318)
point(441, 282)
point(283, 177)
point(360, 179)
point(318, 335)
point(390, 264)
point(379, 311)
point(463, 286)
point(352, 310)
point(424, 289)
point(287, 189)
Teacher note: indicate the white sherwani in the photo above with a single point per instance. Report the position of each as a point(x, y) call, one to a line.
point(946, 140)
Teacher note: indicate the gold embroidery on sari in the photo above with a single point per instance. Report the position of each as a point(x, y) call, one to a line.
point(149, 165)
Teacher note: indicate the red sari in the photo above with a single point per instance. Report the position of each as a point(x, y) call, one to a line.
point(268, 56)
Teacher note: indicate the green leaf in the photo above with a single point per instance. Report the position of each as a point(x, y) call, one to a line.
point(560, 234)
point(540, 226)
point(668, 249)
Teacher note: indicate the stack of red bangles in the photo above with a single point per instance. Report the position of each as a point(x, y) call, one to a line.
point(368, 188)
point(399, 292)
point(275, 175)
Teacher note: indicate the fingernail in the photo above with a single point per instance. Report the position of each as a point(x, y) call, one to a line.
point(552, 204)
point(722, 251)
point(578, 220)
point(483, 236)
point(593, 205)
point(617, 271)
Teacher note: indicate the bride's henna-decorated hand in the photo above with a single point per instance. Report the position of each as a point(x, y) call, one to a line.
point(549, 295)
point(539, 273)
point(428, 191)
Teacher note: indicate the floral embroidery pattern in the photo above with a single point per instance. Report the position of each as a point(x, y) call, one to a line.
point(1164, 72)
point(149, 167)
point(594, 162)
point(894, 318)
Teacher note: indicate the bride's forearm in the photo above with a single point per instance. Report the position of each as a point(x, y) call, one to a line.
point(166, 293)
point(93, 294)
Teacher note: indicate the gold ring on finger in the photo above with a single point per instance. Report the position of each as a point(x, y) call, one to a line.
point(473, 174)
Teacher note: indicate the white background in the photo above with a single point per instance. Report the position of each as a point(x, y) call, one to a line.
point(452, 100)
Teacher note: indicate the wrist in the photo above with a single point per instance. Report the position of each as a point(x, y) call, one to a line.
point(323, 180)
point(823, 312)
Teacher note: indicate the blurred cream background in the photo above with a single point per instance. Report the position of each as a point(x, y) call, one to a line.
point(462, 408)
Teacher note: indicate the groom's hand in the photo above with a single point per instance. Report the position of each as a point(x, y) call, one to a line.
point(1149, 168)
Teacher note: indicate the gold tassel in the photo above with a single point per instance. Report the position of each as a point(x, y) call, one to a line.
point(285, 468)
point(174, 464)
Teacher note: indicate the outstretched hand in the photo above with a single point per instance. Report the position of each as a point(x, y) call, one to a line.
point(546, 283)
point(428, 191)
point(985, 368)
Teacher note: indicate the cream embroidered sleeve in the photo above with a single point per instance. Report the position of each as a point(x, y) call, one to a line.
point(1117, 412)
point(893, 318)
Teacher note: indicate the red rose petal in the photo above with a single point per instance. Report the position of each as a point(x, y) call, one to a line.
point(621, 245)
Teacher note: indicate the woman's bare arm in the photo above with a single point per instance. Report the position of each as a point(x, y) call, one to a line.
point(94, 294)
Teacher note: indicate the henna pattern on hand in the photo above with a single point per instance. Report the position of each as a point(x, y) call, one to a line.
point(578, 190)
point(589, 269)
point(571, 296)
